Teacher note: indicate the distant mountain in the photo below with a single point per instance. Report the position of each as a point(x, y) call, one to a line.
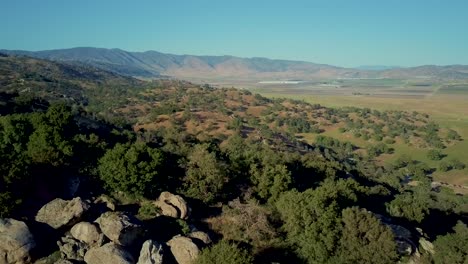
point(152, 64)
point(376, 67)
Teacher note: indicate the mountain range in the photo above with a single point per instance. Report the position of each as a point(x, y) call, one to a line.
point(153, 64)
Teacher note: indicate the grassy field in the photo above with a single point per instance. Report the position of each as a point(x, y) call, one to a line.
point(447, 104)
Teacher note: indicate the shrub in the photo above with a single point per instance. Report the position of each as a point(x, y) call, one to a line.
point(130, 168)
point(456, 164)
point(444, 166)
point(434, 154)
point(224, 252)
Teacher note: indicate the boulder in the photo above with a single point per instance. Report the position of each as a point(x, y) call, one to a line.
point(59, 213)
point(426, 245)
point(16, 241)
point(120, 228)
point(167, 209)
point(151, 253)
point(108, 253)
point(200, 236)
point(88, 233)
point(107, 201)
point(72, 249)
point(183, 249)
point(403, 247)
point(179, 208)
point(400, 231)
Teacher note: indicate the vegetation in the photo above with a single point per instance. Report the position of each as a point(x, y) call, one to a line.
point(244, 164)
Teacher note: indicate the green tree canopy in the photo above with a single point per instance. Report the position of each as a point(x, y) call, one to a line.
point(452, 248)
point(205, 176)
point(365, 239)
point(130, 168)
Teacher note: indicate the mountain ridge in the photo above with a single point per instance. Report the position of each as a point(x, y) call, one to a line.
point(154, 64)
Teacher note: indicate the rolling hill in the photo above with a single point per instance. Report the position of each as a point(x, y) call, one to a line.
point(151, 64)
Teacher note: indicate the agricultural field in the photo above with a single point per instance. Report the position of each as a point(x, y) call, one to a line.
point(445, 103)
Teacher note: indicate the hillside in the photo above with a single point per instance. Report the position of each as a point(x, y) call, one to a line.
point(152, 64)
point(189, 173)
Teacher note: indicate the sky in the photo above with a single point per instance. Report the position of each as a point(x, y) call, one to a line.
point(339, 32)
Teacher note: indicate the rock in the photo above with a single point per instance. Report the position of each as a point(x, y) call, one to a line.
point(71, 248)
point(104, 199)
point(183, 249)
point(151, 253)
point(108, 253)
point(59, 213)
point(403, 247)
point(426, 245)
point(201, 236)
point(120, 228)
point(16, 241)
point(87, 233)
point(172, 205)
point(400, 232)
point(167, 209)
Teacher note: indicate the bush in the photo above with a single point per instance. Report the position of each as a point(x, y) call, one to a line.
point(434, 154)
point(456, 164)
point(444, 166)
point(224, 252)
point(130, 168)
point(148, 210)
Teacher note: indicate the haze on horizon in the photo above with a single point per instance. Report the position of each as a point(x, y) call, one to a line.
point(337, 32)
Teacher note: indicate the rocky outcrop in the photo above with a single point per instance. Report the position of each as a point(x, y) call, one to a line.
point(151, 253)
point(200, 236)
point(172, 205)
point(120, 228)
point(426, 245)
point(16, 241)
point(72, 249)
point(88, 233)
point(183, 249)
point(405, 245)
point(108, 253)
point(59, 213)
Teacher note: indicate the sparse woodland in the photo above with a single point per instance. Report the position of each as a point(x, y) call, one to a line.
point(222, 166)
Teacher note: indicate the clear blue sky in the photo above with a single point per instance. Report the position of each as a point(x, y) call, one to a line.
point(344, 33)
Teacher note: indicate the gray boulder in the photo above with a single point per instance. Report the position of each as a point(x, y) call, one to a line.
point(108, 253)
point(173, 205)
point(200, 236)
point(151, 253)
point(16, 241)
point(183, 249)
point(120, 228)
point(59, 213)
point(88, 233)
point(72, 249)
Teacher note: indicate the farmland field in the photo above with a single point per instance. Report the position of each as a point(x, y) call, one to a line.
point(446, 104)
